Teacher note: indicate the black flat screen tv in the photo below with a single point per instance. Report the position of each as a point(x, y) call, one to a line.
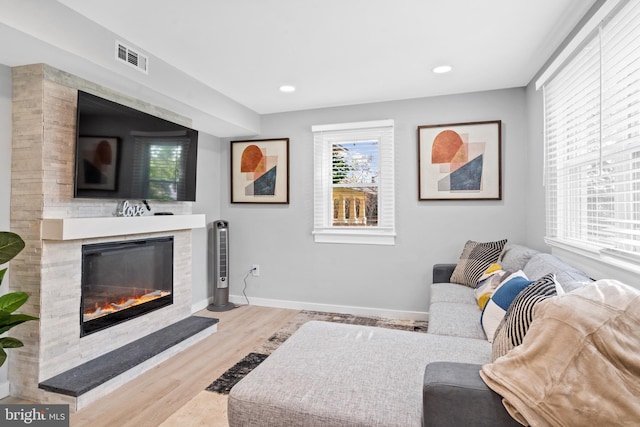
point(124, 153)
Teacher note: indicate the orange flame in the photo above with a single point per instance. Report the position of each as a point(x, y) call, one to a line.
point(122, 304)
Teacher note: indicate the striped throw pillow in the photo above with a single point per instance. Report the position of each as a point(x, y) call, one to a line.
point(497, 306)
point(516, 321)
point(474, 261)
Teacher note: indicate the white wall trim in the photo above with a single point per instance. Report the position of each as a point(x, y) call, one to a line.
point(351, 126)
point(331, 308)
point(355, 237)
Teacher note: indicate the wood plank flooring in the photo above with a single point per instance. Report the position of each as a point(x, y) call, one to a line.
point(154, 396)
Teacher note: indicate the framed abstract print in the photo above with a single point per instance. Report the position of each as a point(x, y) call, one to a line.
point(460, 161)
point(260, 171)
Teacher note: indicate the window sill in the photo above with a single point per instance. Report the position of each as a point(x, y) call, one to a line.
point(598, 264)
point(355, 237)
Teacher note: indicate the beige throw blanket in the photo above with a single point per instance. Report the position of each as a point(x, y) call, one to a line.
point(579, 364)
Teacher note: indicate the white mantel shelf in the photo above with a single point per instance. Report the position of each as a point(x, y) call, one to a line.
point(87, 228)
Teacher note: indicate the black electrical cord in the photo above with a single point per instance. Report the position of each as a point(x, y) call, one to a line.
point(245, 285)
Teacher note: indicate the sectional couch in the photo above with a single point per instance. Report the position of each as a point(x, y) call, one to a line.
point(331, 374)
point(453, 393)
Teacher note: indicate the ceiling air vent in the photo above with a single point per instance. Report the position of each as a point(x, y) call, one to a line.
point(132, 57)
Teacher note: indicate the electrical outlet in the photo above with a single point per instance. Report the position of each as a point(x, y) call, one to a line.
point(255, 270)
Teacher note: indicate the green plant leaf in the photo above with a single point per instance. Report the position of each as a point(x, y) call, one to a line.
point(8, 321)
point(9, 342)
point(10, 245)
point(12, 301)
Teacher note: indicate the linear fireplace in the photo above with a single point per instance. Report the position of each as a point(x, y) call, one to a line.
point(124, 280)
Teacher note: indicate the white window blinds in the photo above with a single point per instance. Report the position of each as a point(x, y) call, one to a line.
point(592, 134)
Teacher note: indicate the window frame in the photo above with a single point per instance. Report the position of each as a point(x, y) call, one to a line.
point(325, 136)
point(597, 208)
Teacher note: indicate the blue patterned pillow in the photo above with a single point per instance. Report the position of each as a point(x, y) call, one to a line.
point(498, 304)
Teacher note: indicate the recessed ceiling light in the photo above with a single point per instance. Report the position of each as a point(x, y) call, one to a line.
point(287, 88)
point(442, 69)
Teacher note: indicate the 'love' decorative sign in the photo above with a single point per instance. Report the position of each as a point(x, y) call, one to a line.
point(129, 209)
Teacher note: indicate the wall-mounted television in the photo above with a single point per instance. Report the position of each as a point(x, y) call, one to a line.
point(124, 153)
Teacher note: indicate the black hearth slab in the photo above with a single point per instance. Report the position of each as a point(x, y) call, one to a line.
point(81, 379)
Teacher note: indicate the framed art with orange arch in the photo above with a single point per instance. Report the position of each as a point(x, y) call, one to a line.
point(460, 161)
point(260, 171)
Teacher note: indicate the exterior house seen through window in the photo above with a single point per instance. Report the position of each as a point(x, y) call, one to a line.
point(355, 175)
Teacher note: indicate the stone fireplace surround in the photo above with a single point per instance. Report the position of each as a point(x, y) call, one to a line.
point(54, 226)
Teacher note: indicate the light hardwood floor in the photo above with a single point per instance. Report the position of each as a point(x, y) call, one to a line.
point(154, 396)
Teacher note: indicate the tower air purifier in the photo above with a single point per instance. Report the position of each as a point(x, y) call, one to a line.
point(219, 263)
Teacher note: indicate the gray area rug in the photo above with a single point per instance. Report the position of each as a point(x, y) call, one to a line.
point(231, 377)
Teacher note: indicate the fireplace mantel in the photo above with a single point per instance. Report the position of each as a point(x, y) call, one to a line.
point(87, 228)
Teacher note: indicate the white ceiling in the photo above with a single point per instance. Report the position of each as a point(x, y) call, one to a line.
point(342, 52)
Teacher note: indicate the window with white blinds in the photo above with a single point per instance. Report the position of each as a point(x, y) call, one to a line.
point(592, 135)
point(354, 200)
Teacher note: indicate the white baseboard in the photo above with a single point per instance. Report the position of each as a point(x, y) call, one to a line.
point(4, 389)
point(331, 308)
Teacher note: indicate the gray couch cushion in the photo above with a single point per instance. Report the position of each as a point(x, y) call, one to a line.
point(516, 257)
point(452, 292)
point(330, 374)
point(543, 263)
point(456, 319)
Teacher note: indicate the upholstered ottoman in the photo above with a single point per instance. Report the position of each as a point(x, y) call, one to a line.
point(329, 374)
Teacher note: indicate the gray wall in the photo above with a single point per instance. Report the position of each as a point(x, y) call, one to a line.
point(208, 195)
point(535, 188)
point(5, 178)
point(294, 268)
